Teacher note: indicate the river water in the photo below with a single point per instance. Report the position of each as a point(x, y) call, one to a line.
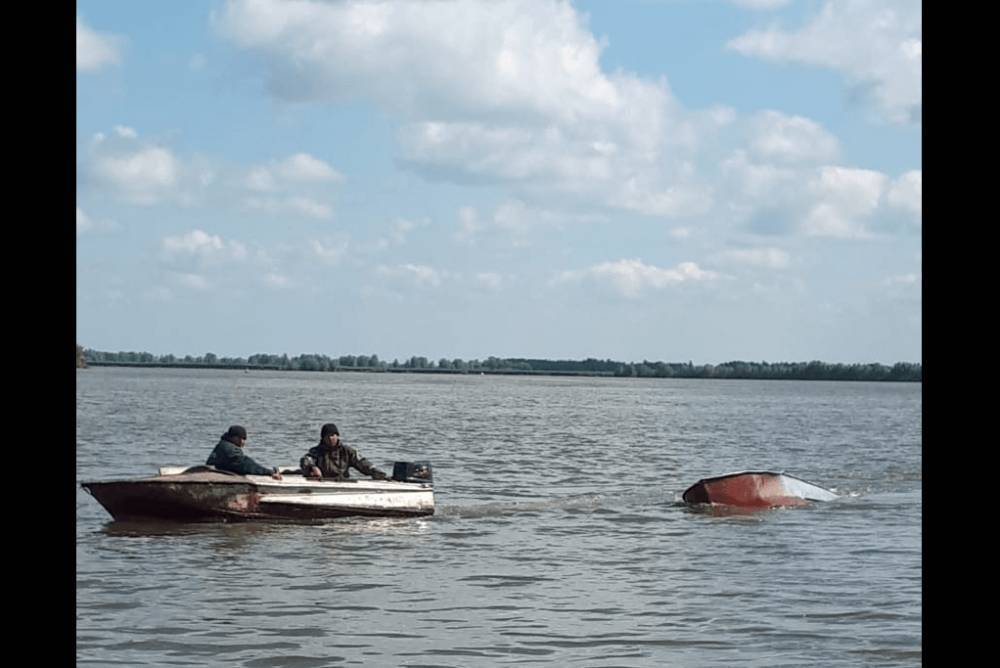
point(558, 537)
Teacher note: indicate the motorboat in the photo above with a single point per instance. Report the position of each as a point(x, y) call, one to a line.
point(205, 493)
point(756, 489)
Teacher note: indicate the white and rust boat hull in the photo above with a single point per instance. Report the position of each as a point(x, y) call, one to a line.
point(756, 489)
point(208, 495)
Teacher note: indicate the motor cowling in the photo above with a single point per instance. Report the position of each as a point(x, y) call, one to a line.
point(412, 472)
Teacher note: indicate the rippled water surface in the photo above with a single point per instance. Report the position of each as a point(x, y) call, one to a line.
point(558, 538)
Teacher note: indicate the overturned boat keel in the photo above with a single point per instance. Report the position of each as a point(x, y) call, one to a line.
point(755, 489)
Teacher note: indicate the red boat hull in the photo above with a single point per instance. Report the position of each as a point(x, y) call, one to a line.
point(755, 489)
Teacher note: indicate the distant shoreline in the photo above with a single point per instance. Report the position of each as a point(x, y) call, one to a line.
point(696, 372)
point(354, 369)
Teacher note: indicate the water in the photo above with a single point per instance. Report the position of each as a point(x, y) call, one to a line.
point(558, 538)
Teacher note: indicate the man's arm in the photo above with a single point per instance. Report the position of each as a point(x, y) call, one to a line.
point(365, 466)
point(307, 464)
point(233, 459)
point(248, 466)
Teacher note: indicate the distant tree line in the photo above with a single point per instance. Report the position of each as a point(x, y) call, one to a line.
point(901, 371)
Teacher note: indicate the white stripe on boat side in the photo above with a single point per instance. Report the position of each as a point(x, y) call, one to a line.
point(345, 500)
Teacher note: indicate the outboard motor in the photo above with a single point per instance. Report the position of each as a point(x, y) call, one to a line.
point(412, 472)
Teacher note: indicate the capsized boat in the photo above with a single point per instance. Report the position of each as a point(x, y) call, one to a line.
point(756, 489)
point(205, 493)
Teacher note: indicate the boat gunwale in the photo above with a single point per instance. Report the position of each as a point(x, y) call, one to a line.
point(269, 485)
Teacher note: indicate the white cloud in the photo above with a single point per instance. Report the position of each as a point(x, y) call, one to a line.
point(401, 228)
point(750, 188)
point(825, 200)
point(408, 55)
point(516, 96)
point(237, 251)
point(906, 193)
point(399, 232)
point(83, 222)
point(195, 242)
point(876, 45)
point(205, 176)
point(95, 50)
point(260, 179)
point(328, 253)
point(515, 219)
point(141, 174)
point(769, 258)
point(297, 168)
point(418, 274)
point(193, 281)
point(284, 181)
point(844, 200)
point(309, 207)
point(197, 260)
point(760, 5)
point(198, 243)
point(755, 179)
point(469, 224)
point(299, 206)
point(557, 161)
point(903, 279)
point(631, 277)
point(138, 172)
point(304, 167)
point(782, 138)
point(276, 280)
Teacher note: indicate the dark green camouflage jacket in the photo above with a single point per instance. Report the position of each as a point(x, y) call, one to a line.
point(334, 462)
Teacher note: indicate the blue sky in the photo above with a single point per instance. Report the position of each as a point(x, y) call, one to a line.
point(672, 180)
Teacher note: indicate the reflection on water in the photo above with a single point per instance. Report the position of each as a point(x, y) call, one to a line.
point(561, 542)
point(241, 531)
point(152, 528)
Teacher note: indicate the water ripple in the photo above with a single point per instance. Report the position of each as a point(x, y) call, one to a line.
point(562, 541)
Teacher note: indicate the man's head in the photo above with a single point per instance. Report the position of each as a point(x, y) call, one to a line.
point(237, 435)
point(329, 434)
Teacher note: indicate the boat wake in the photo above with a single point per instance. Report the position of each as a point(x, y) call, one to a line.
point(576, 502)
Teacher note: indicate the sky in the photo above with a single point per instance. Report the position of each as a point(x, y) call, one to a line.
point(663, 180)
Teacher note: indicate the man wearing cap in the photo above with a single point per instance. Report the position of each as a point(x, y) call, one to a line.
point(229, 456)
point(332, 459)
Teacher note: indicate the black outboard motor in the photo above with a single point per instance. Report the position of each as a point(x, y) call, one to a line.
point(412, 472)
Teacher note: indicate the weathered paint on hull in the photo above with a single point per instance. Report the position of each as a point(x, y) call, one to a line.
point(756, 489)
point(185, 501)
point(216, 496)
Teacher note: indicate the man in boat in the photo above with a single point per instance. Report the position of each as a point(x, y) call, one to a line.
point(332, 458)
point(229, 456)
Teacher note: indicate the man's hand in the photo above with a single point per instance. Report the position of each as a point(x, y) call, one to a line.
point(314, 472)
point(276, 475)
point(378, 475)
